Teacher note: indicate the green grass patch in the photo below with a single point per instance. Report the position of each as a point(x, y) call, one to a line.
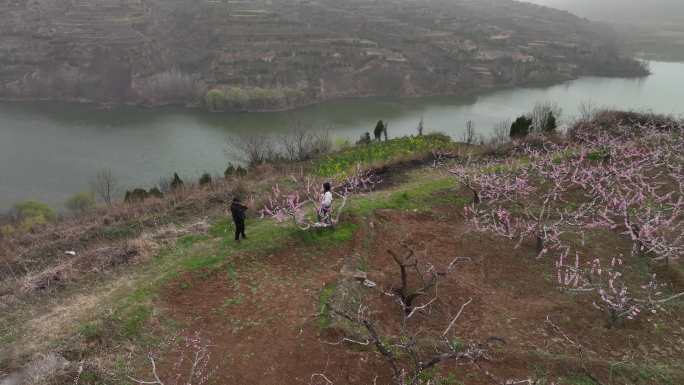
point(579, 379)
point(409, 147)
point(133, 320)
point(634, 374)
point(91, 331)
point(432, 376)
point(222, 228)
point(189, 240)
point(201, 262)
point(422, 195)
point(324, 317)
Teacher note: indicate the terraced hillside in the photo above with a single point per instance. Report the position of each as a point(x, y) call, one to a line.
point(269, 54)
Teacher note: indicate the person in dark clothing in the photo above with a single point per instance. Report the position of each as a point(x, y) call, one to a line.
point(379, 129)
point(238, 211)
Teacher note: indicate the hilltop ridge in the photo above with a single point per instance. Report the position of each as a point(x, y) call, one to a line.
point(274, 54)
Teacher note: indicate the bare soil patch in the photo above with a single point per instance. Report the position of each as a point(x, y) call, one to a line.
point(261, 318)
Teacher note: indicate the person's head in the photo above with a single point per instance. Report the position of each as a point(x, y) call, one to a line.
point(326, 186)
point(236, 199)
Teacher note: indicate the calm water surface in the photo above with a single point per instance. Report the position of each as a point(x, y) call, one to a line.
point(49, 151)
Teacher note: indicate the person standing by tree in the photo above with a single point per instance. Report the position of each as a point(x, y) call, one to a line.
point(325, 213)
point(379, 130)
point(237, 209)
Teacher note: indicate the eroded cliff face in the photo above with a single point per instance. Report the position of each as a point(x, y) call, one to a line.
point(279, 53)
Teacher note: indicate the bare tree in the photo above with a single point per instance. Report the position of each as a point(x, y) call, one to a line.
point(587, 110)
point(501, 132)
point(105, 185)
point(469, 134)
point(405, 293)
point(408, 354)
point(302, 145)
point(253, 150)
point(198, 370)
point(545, 116)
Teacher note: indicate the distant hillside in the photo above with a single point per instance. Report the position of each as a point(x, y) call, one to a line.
point(650, 29)
point(270, 54)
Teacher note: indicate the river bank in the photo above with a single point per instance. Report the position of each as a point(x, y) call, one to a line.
point(61, 146)
point(548, 80)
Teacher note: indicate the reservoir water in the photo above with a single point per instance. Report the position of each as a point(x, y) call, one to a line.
point(48, 151)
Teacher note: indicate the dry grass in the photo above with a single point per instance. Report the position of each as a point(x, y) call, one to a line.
point(44, 323)
point(38, 258)
point(45, 293)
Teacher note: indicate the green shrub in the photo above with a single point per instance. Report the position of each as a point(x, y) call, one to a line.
point(364, 139)
point(237, 98)
point(521, 127)
point(28, 224)
point(599, 155)
point(7, 231)
point(230, 171)
point(28, 215)
point(137, 195)
point(205, 179)
point(35, 210)
point(240, 171)
point(156, 193)
point(80, 202)
point(215, 100)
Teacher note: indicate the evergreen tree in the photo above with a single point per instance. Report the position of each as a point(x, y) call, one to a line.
point(205, 179)
point(521, 127)
point(137, 195)
point(240, 171)
point(176, 183)
point(156, 192)
point(230, 171)
point(550, 125)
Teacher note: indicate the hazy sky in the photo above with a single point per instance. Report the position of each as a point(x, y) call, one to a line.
point(621, 10)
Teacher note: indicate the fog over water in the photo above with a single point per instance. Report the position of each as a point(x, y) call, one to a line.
point(621, 10)
point(49, 151)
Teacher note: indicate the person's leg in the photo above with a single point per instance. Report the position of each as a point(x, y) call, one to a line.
point(237, 230)
point(326, 215)
point(242, 229)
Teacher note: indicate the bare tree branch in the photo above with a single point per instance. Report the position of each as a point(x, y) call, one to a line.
point(453, 321)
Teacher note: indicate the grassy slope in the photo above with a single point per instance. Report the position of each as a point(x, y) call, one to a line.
point(89, 317)
point(126, 314)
